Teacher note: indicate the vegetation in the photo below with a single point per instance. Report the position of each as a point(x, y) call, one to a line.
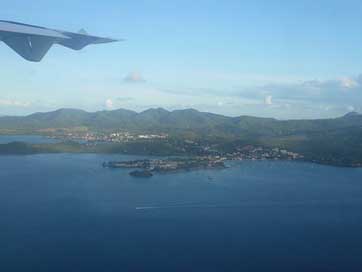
point(333, 141)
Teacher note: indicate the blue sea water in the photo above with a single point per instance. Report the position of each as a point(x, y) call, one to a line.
point(67, 213)
point(31, 139)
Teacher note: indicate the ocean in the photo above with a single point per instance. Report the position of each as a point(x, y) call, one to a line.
point(65, 212)
point(31, 139)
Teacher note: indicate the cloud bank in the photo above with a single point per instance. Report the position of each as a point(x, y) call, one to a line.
point(14, 103)
point(134, 77)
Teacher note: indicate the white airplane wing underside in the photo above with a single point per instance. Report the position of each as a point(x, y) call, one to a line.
point(33, 42)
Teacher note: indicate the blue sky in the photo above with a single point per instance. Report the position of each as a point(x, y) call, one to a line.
point(283, 59)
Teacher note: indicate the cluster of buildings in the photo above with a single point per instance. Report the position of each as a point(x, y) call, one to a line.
point(115, 137)
point(262, 153)
point(207, 153)
point(246, 152)
point(170, 164)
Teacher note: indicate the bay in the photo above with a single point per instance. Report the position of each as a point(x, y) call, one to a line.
point(65, 212)
point(31, 139)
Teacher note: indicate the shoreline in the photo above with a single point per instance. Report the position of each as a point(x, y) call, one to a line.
point(25, 149)
point(161, 156)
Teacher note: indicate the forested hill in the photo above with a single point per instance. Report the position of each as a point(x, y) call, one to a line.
point(179, 121)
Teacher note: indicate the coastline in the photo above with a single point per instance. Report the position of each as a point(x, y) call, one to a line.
point(21, 148)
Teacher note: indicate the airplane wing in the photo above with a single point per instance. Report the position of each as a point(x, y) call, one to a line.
point(33, 42)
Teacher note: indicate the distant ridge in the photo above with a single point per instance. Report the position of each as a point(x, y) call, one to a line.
point(336, 141)
point(187, 120)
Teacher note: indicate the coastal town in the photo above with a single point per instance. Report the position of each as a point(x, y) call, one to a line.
point(194, 154)
point(113, 137)
point(247, 152)
point(250, 152)
point(147, 167)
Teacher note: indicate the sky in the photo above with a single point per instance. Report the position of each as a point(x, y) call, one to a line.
point(282, 59)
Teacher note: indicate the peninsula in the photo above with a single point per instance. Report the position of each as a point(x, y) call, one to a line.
point(146, 168)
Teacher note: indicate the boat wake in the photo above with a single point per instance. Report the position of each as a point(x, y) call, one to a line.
point(183, 206)
point(261, 204)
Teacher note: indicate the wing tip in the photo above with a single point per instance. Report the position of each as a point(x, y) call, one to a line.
point(110, 40)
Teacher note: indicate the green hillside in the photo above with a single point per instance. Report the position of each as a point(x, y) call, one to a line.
point(334, 141)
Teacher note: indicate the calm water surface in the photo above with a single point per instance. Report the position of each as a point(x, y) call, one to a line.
point(31, 139)
point(67, 213)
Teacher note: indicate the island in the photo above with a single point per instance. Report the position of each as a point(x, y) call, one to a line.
point(146, 168)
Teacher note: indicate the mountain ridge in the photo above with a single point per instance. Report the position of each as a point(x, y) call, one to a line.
point(184, 120)
point(160, 109)
point(335, 141)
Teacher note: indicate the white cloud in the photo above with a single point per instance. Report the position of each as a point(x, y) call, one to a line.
point(339, 84)
point(349, 83)
point(134, 77)
point(14, 103)
point(268, 100)
point(351, 108)
point(109, 104)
